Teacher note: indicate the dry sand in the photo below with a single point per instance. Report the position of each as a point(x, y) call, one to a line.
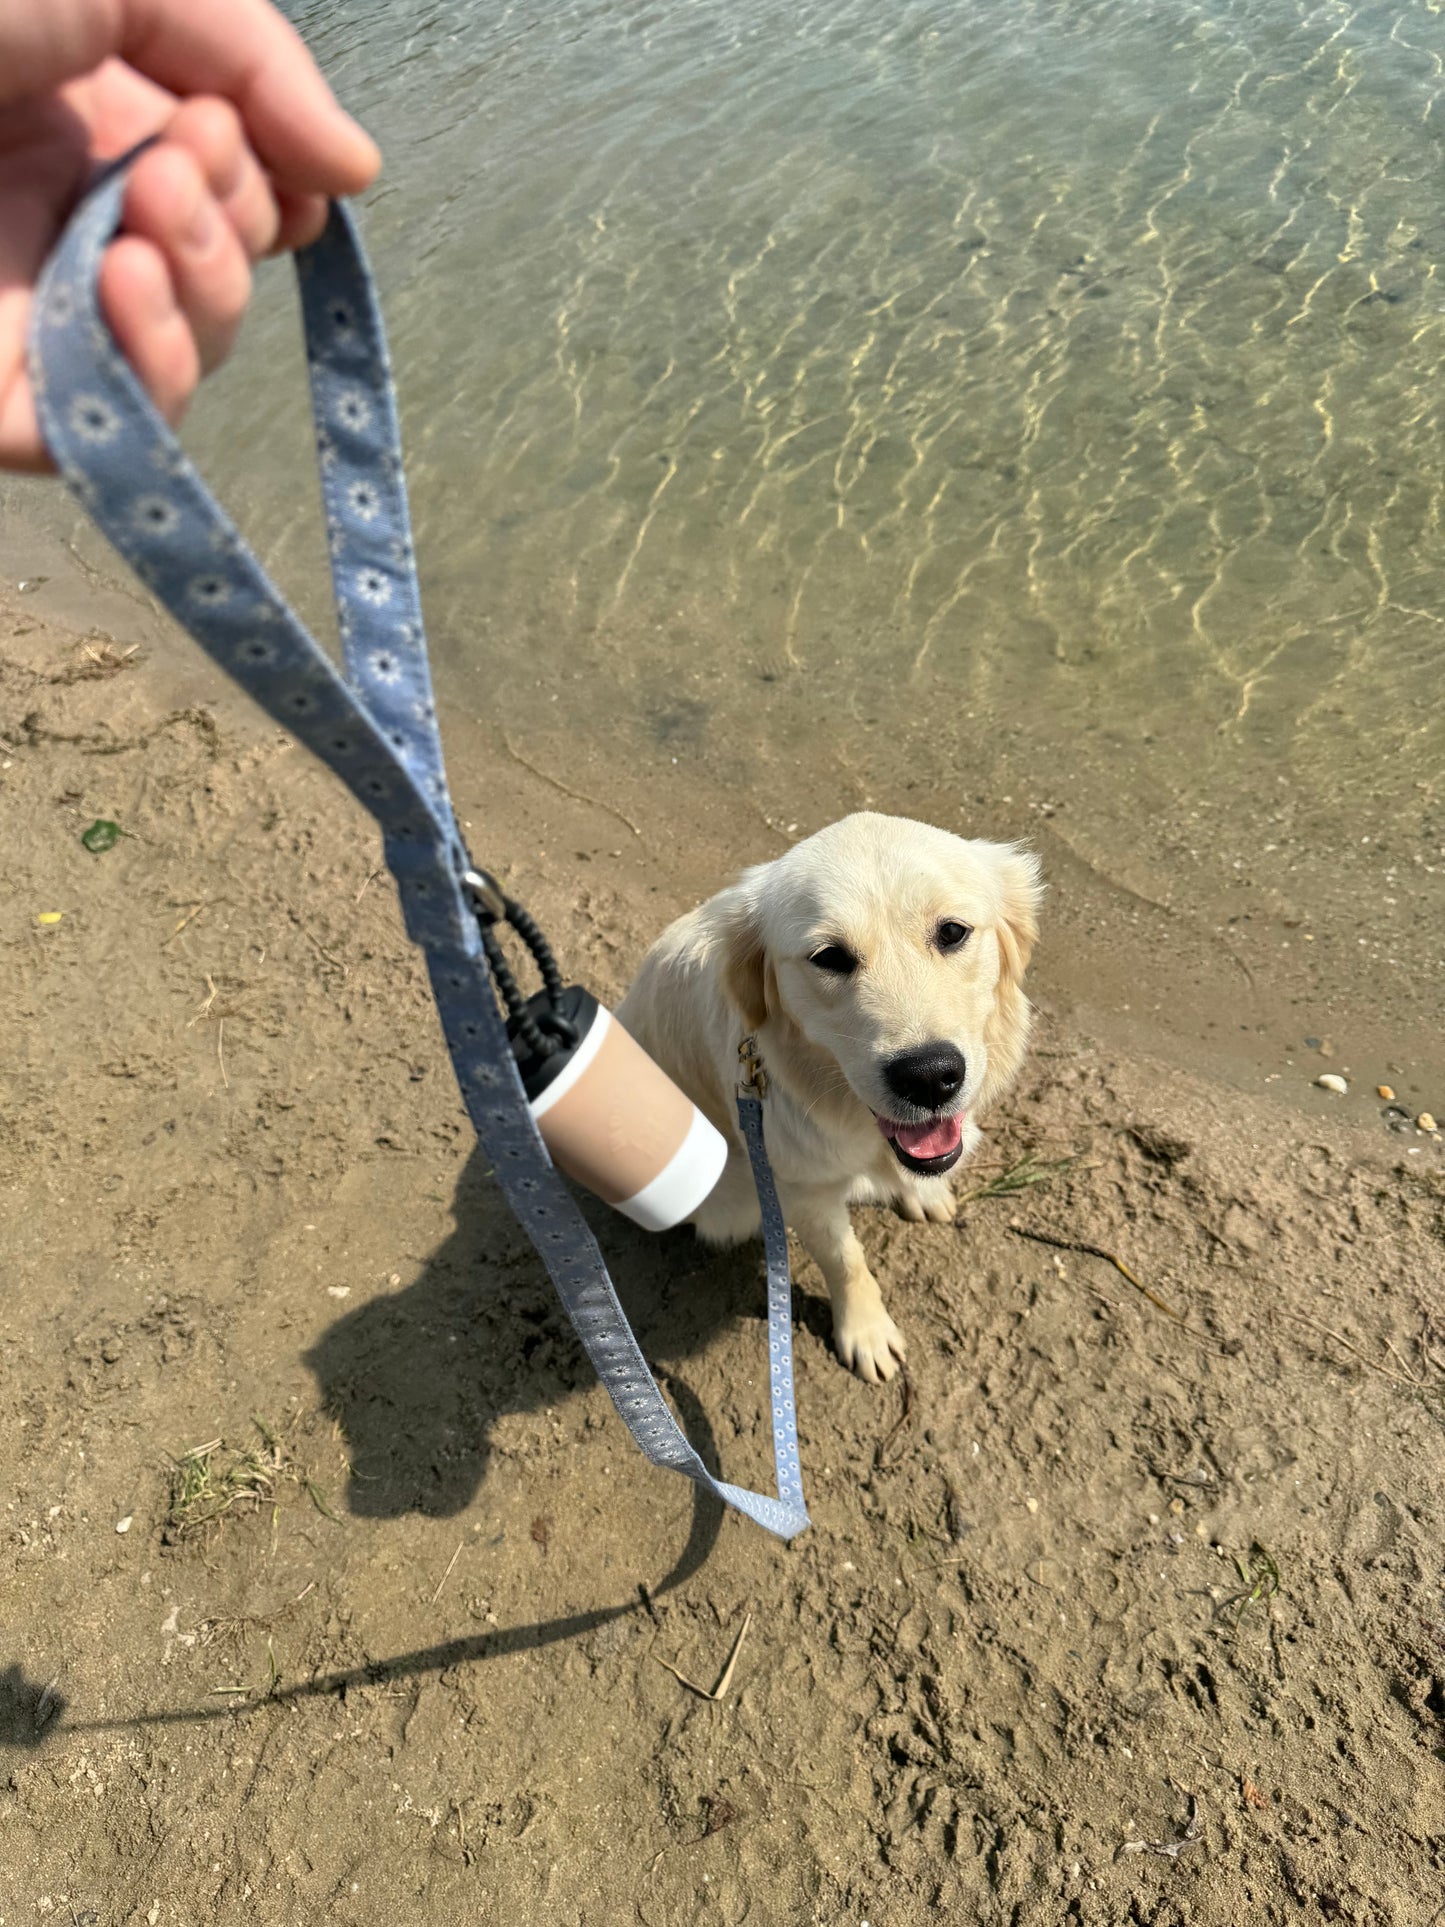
point(1129, 1608)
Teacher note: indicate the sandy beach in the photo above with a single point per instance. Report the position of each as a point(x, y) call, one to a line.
point(1023, 418)
point(332, 1589)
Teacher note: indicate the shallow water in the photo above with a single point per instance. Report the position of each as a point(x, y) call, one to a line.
point(1023, 415)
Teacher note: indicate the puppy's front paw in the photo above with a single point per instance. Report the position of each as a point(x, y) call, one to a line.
point(870, 1344)
point(939, 1205)
point(932, 1205)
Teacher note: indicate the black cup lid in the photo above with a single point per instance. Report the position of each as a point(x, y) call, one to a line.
point(569, 1020)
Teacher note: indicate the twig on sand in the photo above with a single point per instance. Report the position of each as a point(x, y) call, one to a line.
point(205, 1009)
point(188, 919)
point(1098, 1251)
point(1403, 1377)
point(880, 1455)
point(46, 1705)
point(556, 783)
point(315, 943)
point(448, 1573)
point(221, 1052)
point(318, 1499)
point(1390, 1348)
point(725, 1677)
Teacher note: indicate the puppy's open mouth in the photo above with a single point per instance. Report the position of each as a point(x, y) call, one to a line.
point(930, 1148)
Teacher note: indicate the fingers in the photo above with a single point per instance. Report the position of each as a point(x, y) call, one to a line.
point(156, 338)
point(248, 158)
point(21, 447)
point(302, 218)
point(268, 219)
point(211, 132)
point(45, 45)
point(241, 49)
point(245, 51)
point(175, 284)
point(170, 204)
point(138, 299)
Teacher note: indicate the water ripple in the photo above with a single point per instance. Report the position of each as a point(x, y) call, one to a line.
point(1073, 358)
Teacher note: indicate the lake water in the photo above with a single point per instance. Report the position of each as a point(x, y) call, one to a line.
point(1024, 414)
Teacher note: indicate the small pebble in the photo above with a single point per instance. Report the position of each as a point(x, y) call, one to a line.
point(1329, 1081)
point(1383, 1090)
point(1426, 1122)
point(1176, 1506)
point(1032, 1504)
point(123, 1525)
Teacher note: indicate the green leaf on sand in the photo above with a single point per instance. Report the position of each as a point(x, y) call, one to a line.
point(101, 836)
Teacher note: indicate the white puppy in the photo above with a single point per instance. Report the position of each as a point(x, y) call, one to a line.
point(879, 966)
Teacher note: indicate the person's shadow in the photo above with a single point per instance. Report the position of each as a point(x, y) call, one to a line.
point(417, 1380)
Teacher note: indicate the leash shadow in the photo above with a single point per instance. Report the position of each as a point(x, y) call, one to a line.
point(418, 1380)
point(32, 1715)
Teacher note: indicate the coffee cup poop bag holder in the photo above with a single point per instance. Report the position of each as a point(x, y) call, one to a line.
point(374, 724)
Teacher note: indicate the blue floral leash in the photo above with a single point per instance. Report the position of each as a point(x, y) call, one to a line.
point(375, 726)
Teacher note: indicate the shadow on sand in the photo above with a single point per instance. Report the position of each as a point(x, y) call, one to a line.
point(416, 1381)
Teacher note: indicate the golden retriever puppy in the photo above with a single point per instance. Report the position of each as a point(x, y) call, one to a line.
point(879, 965)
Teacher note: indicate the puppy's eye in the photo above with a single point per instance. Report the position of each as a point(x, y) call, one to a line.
point(952, 936)
point(837, 961)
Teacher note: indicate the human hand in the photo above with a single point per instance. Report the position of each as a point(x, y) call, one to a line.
point(251, 146)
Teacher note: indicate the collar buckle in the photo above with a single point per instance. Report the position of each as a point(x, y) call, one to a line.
point(753, 1081)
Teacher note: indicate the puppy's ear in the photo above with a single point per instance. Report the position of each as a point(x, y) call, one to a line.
point(1017, 928)
point(745, 967)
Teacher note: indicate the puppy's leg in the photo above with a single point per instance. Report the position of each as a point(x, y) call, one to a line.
point(928, 1201)
point(730, 1214)
point(866, 1338)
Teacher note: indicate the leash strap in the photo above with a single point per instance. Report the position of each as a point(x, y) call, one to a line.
point(375, 727)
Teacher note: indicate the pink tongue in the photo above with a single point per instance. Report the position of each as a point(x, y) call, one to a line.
point(932, 1140)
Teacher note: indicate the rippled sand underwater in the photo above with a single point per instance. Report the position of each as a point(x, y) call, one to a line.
point(860, 388)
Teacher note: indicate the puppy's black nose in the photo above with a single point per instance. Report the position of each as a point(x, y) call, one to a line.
point(928, 1077)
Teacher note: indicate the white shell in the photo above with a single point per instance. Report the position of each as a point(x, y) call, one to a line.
point(1331, 1081)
